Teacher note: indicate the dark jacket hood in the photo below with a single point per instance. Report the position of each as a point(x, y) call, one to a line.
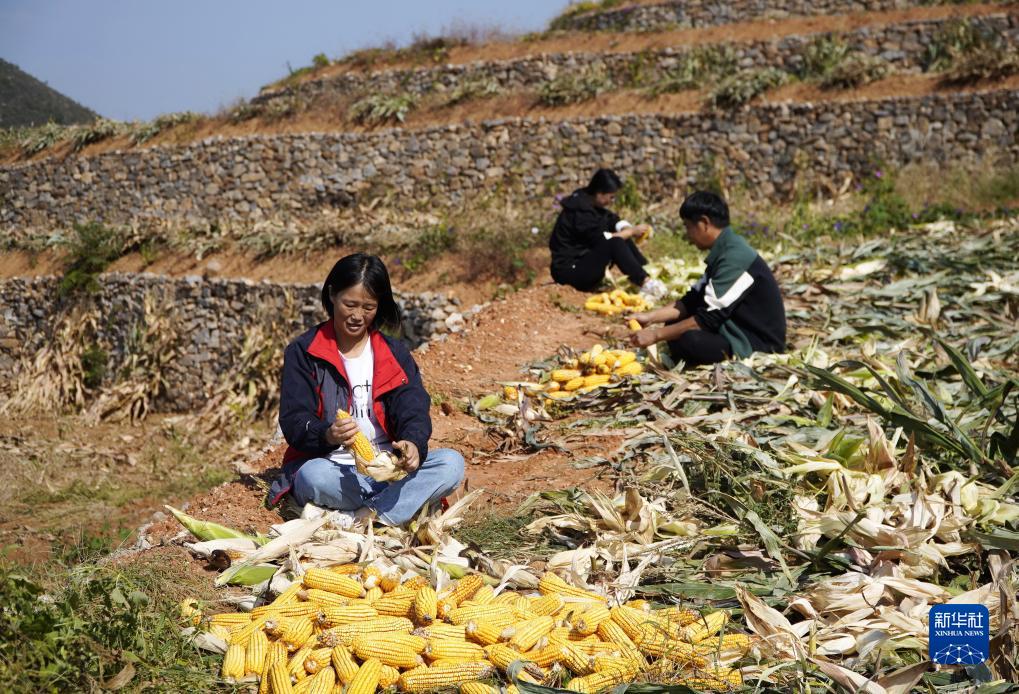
point(579, 199)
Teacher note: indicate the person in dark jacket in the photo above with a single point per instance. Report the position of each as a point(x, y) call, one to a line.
point(346, 364)
point(588, 238)
point(735, 309)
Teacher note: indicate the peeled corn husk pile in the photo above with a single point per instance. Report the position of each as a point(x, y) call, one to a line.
point(370, 627)
point(615, 302)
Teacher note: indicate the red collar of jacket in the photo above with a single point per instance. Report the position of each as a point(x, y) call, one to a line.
point(387, 373)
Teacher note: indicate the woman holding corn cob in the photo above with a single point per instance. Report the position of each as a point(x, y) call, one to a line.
point(588, 238)
point(352, 397)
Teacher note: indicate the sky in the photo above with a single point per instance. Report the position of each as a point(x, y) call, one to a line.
point(136, 59)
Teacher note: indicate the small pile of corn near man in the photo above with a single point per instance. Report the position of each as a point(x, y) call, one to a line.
point(590, 370)
point(615, 302)
point(357, 629)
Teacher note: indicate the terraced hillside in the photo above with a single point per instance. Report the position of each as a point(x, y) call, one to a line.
point(153, 272)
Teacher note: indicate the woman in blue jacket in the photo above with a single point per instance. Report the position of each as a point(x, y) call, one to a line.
point(347, 363)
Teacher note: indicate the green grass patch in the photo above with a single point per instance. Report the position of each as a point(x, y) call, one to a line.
point(500, 537)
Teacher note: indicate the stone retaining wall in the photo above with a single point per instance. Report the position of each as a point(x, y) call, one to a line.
point(694, 13)
point(905, 46)
point(765, 149)
point(210, 319)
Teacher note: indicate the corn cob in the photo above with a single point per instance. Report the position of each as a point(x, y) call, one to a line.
point(549, 605)
point(526, 634)
point(373, 594)
point(611, 632)
point(440, 630)
point(586, 623)
point(576, 661)
point(366, 681)
point(574, 384)
point(345, 569)
point(371, 575)
point(633, 325)
point(425, 605)
point(632, 369)
point(505, 597)
point(393, 605)
point(594, 682)
point(390, 580)
point(632, 621)
point(323, 598)
point(233, 661)
point(303, 686)
point(465, 588)
point(426, 679)
point(293, 631)
point(450, 649)
point(543, 657)
point(388, 676)
point(397, 650)
point(551, 583)
point(344, 663)
point(627, 668)
point(653, 641)
point(276, 653)
point(255, 652)
point(564, 375)
point(478, 688)
point(231, 619)
point(595, 380)
point(345, 633)
point(295, 666)
point(361, 448)
point(324, 579)
point(484, 595)
point(462, 615)
point(414, 582)
point(279, 679)
point(484, 633)
point(244, 633)
point(719, 679)
point(452, 662)
point(335, 616)
point(323, 682)
point(319, 658)
point(220, 631)
point(725, 647)
point(704, 627)
point(190, 613)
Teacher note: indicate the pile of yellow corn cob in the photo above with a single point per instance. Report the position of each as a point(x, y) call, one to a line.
point(355, 630)
point(615, 302)
point(578, 375)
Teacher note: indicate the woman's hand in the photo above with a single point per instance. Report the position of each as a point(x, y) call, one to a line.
point(409, 456)
point(626, 233)
point(342, 432)
point(644, 338)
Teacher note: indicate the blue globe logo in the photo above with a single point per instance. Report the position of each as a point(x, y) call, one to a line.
point(961, 654)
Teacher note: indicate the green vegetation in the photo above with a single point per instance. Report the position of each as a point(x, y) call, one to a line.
point(695, 68)
point(432, 243)
point(822, 56)
point(100, 627)
point(28, 102)
point(741, 88)
point(471, 90)
point(89, 252)
point(93, 365)
point(378, 109)
point(575, 87)
point(856, 70)
point(576, 8)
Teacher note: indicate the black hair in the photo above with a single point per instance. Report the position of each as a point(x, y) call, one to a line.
point(369, 270)
point(705, 204)
point(604, 181)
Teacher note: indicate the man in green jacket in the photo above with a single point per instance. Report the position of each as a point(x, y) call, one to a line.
point(735, 309)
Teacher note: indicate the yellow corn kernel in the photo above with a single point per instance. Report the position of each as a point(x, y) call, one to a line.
point(564, 375)
point(478, 688)
point(450, 649)
point(373, 594)
point(396, 650)
point(492, 612)
point(388, 677)
point(345, 569)
point(279, 679)
point(730, 646)
point(318, 658)
point(484, 632)
point(346, 633)
point(276, 653)
point(295, 666)
point(595, 380)
point(718, 679)
point(551, 583)
point(323, 681)
point(632, 621)
point(547, 605)
point(704, 627)
point(507, 597)
point(344, 663)
point(509, 393)
point(255, 652)
point(366, 681)
point(526, 634)
point(324, 579)
point(440, 630)
point(576, 660)
point(484, 595)
point(443, 677)
point(595, 682)
point(361, 448)
point(544, 657)
point(323, 598)
point(627, 667)
point(651, 640)
point(390, 580)
point(220, 631)
point(233, 661)
point(632, 369)
point(293, 631)
point(244, 633)
point(574, 384)
point(425, 605)
point(586, 623)
point(350, 614)
point(633, 325)
point(371, 576)
point(612, 633)
point(231, 619)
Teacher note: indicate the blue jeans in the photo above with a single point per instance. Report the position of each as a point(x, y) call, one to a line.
point(324, 483)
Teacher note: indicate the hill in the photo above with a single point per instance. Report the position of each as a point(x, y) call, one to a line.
point(24, 100)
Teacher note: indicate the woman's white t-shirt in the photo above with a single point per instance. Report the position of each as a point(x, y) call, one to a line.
point(360, 371)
